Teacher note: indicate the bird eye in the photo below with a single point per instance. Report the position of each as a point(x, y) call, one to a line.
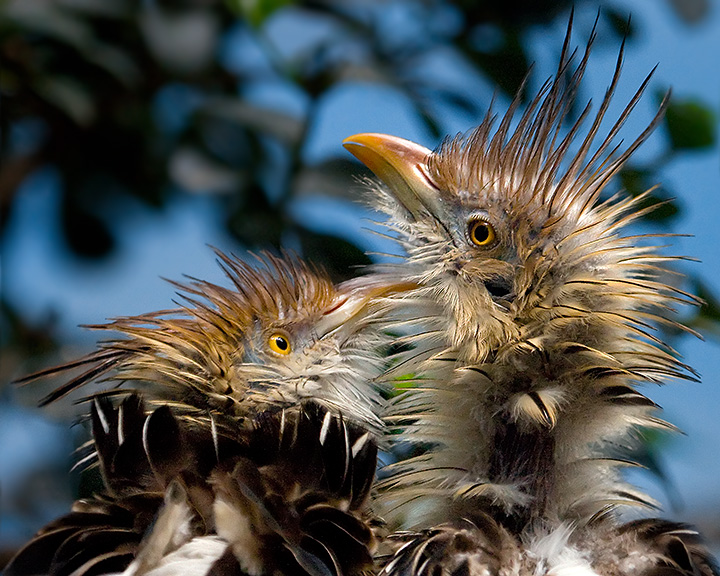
point(279, 344)
point(481, 233)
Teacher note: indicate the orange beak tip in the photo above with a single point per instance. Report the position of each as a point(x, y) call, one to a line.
point(400, 164)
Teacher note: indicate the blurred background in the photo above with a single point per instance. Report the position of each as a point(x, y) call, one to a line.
point(137, 133)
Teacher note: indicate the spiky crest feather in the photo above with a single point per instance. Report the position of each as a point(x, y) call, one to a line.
point(526, 350)
point(210, 354)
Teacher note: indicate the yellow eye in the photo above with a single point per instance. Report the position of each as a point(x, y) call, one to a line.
point(481, 233)
point(279, 344)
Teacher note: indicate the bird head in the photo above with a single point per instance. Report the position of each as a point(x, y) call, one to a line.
point(505, 225)
point(310, 339)
point(283, 333)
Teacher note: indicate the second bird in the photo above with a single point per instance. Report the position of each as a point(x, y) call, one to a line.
point(244, 441)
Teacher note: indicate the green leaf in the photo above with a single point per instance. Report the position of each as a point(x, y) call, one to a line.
point(691, 11)
point(69, 96)
point(337, 177)
point(637, 181)
point(506, 67)
point(257, 11)
point(86, 233)
point(690, 124)
point(195, 171)
point(284, 127)
point(707, 318)
point(339, 257)
point(619, 22)
point(710, 309)
point(256, 222)
point(49, 22)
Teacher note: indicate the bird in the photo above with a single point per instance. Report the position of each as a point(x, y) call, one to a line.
point(235, 434)
point(532, 327)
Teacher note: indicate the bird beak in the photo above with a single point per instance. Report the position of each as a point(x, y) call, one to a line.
point(353, 300)
point(402, 166)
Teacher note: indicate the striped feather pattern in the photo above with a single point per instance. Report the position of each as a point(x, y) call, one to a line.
point(297, 480)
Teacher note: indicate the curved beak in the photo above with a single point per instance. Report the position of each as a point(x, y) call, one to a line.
point(402, 166)
point(355, 300)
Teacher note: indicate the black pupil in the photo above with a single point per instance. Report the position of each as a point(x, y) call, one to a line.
point(480, 232)
point(281, 343)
